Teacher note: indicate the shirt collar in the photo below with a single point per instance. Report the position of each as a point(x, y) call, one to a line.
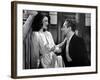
point(68, 40)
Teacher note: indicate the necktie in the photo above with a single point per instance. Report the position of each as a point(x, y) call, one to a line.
point(67, 48)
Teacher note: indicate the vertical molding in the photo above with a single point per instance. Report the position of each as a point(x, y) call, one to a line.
point(59, 23)
point(13, 40)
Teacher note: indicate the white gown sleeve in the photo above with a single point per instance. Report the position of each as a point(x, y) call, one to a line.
point(27, 25)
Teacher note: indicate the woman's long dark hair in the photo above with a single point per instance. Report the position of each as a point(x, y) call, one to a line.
point(37, 23)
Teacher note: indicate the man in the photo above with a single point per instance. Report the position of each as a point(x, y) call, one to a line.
point(73, 51)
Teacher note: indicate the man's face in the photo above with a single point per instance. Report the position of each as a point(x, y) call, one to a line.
point(64, 28)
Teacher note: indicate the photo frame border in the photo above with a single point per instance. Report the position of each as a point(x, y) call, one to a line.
point(14, 37)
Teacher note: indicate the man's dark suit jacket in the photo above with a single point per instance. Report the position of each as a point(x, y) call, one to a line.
point(77, 51)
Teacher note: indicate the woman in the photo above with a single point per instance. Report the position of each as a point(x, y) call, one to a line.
point(43, 44)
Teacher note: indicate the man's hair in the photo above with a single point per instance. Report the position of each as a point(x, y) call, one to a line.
point(71, 24)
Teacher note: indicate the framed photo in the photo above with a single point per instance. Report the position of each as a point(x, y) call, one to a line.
point(52, 39)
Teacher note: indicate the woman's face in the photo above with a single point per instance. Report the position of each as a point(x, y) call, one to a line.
point(45, 21)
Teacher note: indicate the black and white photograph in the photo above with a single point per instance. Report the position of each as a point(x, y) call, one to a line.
point(56, 39)
point(53, 39)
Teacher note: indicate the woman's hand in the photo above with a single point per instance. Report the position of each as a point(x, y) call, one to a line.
point(47, 47)
point(57, 49)
point(69, 59)
point(53, 48)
